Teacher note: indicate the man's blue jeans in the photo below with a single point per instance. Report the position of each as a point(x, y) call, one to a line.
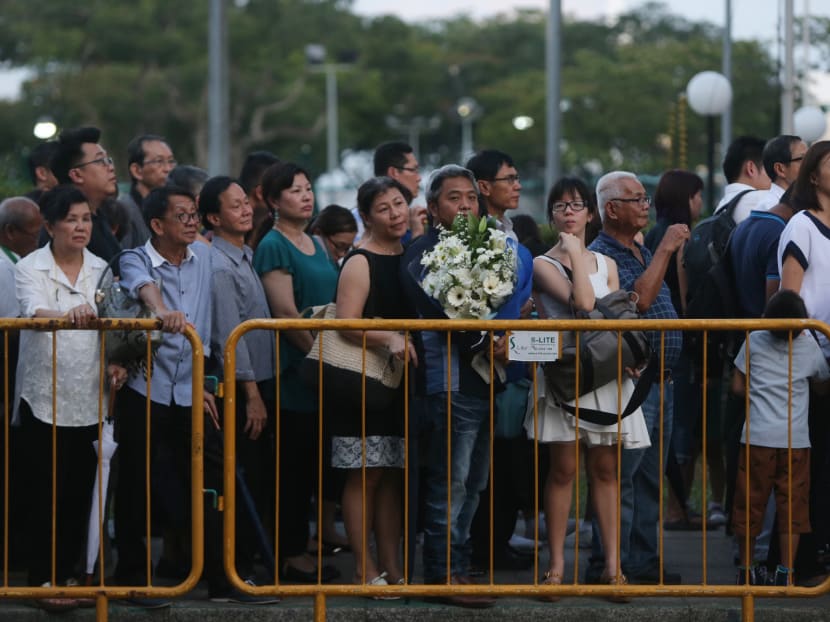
point(640, 478)
point(469, 468)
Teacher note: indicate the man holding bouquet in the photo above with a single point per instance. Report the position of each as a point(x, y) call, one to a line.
point(438, 288)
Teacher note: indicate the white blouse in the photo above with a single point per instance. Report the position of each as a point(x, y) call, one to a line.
point(41, 284)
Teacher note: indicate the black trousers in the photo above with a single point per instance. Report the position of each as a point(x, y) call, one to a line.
point(170, 430)
point(76, 463)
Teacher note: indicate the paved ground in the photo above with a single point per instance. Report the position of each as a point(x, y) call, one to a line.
point(683, 554)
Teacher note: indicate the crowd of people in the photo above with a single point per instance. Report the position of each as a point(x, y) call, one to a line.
point(213, 252)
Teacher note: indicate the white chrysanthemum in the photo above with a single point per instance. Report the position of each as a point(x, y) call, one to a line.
point(490, 283)
point(456, 296)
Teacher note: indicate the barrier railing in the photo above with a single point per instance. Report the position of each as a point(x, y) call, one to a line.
point(100, 590)
point(320, 591)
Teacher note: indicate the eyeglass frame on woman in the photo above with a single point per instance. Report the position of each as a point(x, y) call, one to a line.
point(104, 161)
point(340, 247)
point(643, 200)
point(560, 206)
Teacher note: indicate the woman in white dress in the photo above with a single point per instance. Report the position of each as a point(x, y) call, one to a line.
point(570, 277)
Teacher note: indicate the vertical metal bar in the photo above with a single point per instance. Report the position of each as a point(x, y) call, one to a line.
point(704, 449)
point(277, 442)
point(101, 610)
point(363, 457)
point(6, 419)
point(102, 377)
point(749, 553)
point(54, 455)
point(406, 577)
point(748, 608)
point(661, 467)
point(319, 607)
point(320, 464)
point(147, 482)
point(492, 456)
point(790, 555)
point(449, 457)
point(535, 378)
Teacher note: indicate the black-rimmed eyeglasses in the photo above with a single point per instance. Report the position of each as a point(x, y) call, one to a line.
point(644, 200)
point(105, 161)
point(561, 206)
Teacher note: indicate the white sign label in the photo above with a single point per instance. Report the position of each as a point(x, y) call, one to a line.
point(534, 346)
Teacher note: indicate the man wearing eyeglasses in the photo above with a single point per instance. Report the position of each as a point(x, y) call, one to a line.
point(624, 207)
point(170, 273)
point(397, 160)
point(150, 161)
point(782, 161)
point(80, 160)
point(499, 186)
point(743, 168)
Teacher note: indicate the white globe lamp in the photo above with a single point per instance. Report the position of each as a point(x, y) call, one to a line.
point(810, 123)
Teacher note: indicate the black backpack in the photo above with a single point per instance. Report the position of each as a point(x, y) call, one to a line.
point(712, 290)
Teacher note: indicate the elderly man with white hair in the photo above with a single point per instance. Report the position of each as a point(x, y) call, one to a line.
point(623, 206)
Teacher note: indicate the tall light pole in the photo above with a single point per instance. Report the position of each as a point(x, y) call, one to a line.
point(726, 68)
point(553, 66)
point(788, 79)
point(709, 93)
point(218, 117)
point(468, 111)
point(316, 57)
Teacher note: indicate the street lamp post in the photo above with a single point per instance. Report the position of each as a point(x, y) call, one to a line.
point(316, 57)
point(709, 94)
point(468, 111)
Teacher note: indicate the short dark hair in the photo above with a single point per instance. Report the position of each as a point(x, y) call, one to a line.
point(671, 197)
point(333, 219)
point(279, 177)
point(574, 185)
point(437, 178)
point(743, 149)
point(210, 198)
point(116, 215)
point(69, 151)
point(804, 194)
point(56, 203)
point(254, 166)
point(188, 176)
point(778, 149)
point(785, 304)
point(372, 188)
point(135, 149)
point(156, 202)
point(40, 155)
point(392, 154)
point(486, 163)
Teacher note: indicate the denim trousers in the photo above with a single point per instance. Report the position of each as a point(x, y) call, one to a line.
point(469, 468)
point(640, 478)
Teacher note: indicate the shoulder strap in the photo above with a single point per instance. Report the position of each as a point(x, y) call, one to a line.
point(639, 395)
point(733, 203)
point(567, 272)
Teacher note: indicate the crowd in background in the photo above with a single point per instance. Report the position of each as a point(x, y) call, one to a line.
point(213, 252)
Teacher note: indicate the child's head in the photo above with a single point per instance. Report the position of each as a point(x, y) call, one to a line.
point(785, 304)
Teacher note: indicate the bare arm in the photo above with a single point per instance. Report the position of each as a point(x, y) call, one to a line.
point(772, 286)
point(649, 284)
point(279, 290)
point(352, 294)
point(792, 274)
point(738, 383)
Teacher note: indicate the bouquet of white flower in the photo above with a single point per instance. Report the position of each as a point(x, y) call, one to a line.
point(471, 271)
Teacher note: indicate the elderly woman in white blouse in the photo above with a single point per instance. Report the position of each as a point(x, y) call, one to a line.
point(59, 281)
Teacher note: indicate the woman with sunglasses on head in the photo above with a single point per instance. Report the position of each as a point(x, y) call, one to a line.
point(567, 278)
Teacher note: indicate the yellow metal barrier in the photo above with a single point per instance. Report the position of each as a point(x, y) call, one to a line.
point(747, 593)
point(100, 591)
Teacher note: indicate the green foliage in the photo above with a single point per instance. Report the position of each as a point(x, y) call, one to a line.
point(141, 66)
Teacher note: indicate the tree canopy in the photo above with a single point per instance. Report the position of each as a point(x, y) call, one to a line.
point(141, 66)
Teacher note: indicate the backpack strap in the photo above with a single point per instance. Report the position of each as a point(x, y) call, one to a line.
point(733, 203)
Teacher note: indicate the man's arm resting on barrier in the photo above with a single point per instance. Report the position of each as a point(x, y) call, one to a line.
point(171, 321)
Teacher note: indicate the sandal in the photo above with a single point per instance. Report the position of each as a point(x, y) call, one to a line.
point(615, 579)
point(551, 578)
point(380, 580)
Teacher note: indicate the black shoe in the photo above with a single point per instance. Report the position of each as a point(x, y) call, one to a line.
point(240, 598)
point(593, 573)
point(146, 603)
point(651, 576)
point(295, 575)
point(167, 569)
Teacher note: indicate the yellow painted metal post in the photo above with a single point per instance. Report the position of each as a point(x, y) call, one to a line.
point(101, 610)
point(319, 607)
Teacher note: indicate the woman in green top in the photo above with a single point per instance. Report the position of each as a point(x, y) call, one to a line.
point(296, 273)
